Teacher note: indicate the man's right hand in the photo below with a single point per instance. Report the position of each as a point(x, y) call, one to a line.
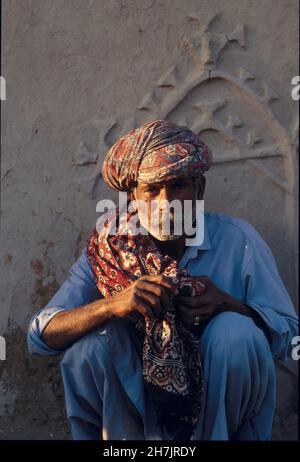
point(147, 295)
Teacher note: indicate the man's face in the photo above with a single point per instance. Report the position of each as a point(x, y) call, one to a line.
point(161, 206)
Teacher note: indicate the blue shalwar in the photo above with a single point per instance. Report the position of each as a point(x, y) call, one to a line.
point(102, 374)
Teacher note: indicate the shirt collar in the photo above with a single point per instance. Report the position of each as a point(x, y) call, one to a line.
point(192, 250)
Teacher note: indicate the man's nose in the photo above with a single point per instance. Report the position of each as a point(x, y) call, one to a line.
point(165, 194)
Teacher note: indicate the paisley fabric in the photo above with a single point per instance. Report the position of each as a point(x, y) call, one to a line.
point(170, 353)
point(157, 151)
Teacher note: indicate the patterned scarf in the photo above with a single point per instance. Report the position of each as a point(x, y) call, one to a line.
point(170, 352)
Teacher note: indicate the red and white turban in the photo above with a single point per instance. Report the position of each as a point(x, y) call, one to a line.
point(157, 151)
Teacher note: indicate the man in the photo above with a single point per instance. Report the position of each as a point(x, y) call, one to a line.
point(141, 351)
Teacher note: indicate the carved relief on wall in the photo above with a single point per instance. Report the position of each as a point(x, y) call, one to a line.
point(230, 107)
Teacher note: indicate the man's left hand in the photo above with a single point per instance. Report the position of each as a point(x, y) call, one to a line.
point(192, 310)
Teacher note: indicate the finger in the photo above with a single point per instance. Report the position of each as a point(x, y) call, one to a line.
point(190, 323)
point(151, 299)
point(205, 279)
point(195, 302)
point(162, 281)
point(158, 290)
point(143, 308)
point(185, 312)
point(189, 313)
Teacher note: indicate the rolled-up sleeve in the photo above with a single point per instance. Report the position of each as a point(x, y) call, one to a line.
point(78, 289)
point(267, 295)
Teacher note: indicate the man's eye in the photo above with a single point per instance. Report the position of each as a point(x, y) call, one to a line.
point(151, 190)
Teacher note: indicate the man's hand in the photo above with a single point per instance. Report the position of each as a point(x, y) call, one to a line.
point(202, 307)
point(193, 310)
point(148, 295)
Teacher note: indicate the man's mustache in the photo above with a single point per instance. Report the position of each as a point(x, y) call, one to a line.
point(164, 216)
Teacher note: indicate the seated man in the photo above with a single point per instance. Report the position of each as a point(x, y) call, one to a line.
point(164, 339)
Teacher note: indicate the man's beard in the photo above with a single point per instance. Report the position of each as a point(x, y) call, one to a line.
point(162, 227)
point(166, 226)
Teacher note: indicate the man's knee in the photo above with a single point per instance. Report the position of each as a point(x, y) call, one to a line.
point(231, 334)
point(84, 350)
point(85, 367)
point(94, 348)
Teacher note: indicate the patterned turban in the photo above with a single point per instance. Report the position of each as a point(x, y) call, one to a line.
point(157, 151)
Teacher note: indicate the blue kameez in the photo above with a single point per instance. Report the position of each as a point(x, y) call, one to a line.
point(102, 374)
